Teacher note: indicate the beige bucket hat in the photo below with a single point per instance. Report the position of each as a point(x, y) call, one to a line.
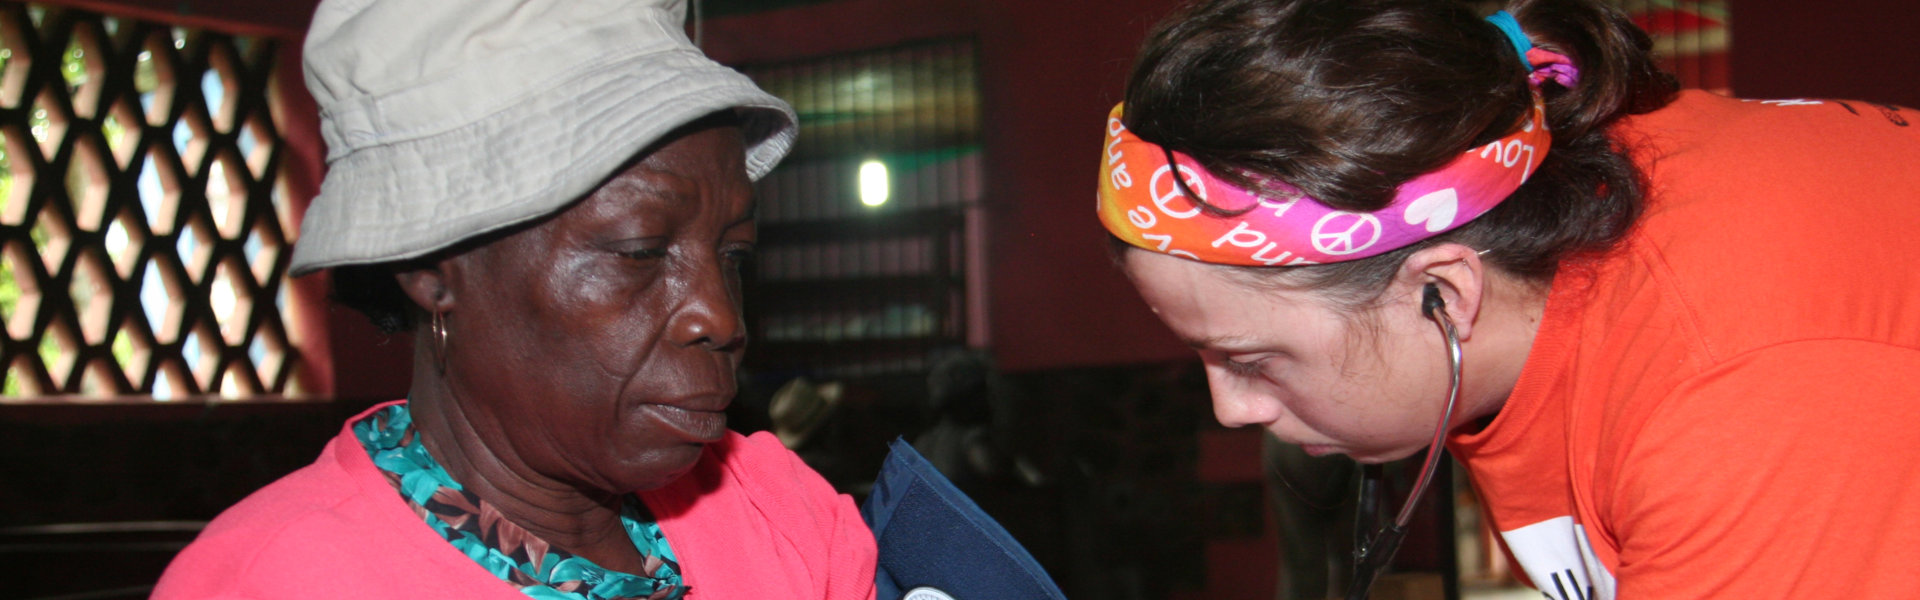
point(448, 119)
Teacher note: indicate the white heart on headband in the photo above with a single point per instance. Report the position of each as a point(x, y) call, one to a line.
point(1435, 210)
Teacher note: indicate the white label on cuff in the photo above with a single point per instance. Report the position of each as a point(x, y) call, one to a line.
point(926, 593)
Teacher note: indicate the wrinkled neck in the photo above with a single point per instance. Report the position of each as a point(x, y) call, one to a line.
point(474, 449)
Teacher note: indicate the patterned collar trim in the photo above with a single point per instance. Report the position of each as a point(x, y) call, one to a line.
point(511, 553)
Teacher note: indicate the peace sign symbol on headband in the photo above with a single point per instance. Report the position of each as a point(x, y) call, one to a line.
point(1342, 242)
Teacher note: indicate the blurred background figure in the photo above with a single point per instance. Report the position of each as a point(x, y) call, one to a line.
point(1312, 502)
point(961, 440)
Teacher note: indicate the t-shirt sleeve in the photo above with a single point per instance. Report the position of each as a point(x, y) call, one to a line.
point(1787, 472)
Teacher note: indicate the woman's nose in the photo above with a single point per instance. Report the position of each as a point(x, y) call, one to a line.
point(1236, 403)
point(710, 317)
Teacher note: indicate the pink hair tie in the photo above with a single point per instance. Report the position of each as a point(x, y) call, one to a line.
point(1548, 64)
point(1541, 64)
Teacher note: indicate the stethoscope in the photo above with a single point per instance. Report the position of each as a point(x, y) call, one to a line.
point(1376, 547)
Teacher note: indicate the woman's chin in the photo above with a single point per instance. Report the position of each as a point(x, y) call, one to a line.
point(660, 468)
point(1383, 456)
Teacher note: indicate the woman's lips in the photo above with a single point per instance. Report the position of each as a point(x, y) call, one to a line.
point(1318, 449)
point(691, 425)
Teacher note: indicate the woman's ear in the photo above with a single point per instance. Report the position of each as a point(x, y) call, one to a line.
point(426, 284)
point(1456, 274)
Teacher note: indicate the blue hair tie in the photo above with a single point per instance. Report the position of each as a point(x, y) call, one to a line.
point(1511, 27)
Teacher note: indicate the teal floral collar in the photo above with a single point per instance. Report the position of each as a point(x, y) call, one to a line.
point(509, 552)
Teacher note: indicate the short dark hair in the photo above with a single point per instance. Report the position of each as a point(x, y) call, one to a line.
point(1348, 99)
point(373, 291)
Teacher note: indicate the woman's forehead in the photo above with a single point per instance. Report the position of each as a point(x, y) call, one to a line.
point(1172, 274)
point(1183, 292)
point(1212, 305)
point(697, 173)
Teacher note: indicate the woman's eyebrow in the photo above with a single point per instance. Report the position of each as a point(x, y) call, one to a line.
point(750, 214)
point(1220, 342)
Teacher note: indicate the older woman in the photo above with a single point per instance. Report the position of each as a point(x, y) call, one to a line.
point(1674, 337)
point(554, 197)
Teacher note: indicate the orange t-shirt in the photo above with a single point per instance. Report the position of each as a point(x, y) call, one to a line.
point(1726, 405)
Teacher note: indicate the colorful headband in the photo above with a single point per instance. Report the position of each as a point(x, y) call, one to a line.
point(1142, 204)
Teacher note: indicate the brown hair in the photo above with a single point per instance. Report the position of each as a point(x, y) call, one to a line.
point(1347, 99)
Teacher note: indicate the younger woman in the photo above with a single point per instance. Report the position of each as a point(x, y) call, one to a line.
point(1688, 327)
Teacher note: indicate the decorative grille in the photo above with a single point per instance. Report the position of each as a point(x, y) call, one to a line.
point(847, 289)
point(142, 216)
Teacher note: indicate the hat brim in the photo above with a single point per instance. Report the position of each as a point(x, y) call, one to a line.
point(533, 159)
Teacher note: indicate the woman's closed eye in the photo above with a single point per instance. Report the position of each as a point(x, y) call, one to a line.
point(1246, 366)
point(738, 256)
point(640, 249)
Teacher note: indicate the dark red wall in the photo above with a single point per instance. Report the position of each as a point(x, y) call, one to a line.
point(1864, 49)
point(1053, 69)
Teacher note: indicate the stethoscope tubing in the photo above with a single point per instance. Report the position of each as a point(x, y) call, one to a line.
point(1372, 555)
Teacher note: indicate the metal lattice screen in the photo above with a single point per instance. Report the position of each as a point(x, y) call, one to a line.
point(862, 265)
point(142, 213)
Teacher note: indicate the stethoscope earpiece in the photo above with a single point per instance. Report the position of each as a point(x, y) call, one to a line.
point(1430, 301)
point(1377, 545)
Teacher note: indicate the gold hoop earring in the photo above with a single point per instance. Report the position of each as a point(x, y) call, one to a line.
point(440, 340)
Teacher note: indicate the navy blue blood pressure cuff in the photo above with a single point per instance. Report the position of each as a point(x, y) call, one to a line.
point(932, 536)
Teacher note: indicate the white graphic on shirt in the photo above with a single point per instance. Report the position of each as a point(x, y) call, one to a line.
point(1558, 557)
point(1786, 102)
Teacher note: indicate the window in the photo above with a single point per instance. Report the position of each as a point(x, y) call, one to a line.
point(144, 218)
point(1690, 37)
point(864, 229)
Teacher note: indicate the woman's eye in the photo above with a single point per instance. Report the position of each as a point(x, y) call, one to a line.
point(639, 248)
point(738, 256)
point(645, 253)
point(1242, 367)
